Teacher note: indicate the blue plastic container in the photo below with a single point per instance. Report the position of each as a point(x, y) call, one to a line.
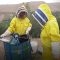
point(19, 51)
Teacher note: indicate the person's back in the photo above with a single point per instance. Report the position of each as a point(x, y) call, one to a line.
point(49, 31)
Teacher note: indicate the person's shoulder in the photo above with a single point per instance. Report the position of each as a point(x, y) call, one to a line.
point(14, 18)
point(27, 19)
point(52, 23)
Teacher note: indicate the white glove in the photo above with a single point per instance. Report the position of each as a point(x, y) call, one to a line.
point(28, 29)
point(6, 33)
point(3, 35)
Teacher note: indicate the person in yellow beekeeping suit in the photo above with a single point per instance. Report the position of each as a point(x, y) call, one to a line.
point(49, 31)
point(19, 44)
point(20, 24)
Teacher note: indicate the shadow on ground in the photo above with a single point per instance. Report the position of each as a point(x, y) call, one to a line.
point(36, 56)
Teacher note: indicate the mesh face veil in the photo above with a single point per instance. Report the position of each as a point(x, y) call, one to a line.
point(40, 16)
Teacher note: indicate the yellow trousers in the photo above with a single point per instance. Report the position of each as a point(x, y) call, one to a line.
point(47, 53)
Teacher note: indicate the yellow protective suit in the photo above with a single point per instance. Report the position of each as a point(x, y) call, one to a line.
point(49, 33)
point(19, 26)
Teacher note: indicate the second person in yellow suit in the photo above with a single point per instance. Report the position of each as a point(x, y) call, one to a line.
point(20, 24)
point(49, 31)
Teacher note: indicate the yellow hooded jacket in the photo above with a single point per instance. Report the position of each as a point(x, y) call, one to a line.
point(19, 26)
point(50, 31)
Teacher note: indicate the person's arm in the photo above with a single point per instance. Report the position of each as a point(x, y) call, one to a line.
point(28, 30)
point(6, 33)
point(55, 37)
point(10, 29)
point(29, 27)
point(54, 32)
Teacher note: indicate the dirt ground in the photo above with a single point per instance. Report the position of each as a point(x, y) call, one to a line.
point(2, 51)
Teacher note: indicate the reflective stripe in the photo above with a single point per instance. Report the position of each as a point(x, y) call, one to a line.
point(42, 14)
point(37, 20)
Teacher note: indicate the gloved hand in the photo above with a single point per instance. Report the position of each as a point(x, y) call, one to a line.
point(28, 30)
point(3, 35)
point(6, 33)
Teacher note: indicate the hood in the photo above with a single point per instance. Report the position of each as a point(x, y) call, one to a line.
point(43, 14)
point(22, 9)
